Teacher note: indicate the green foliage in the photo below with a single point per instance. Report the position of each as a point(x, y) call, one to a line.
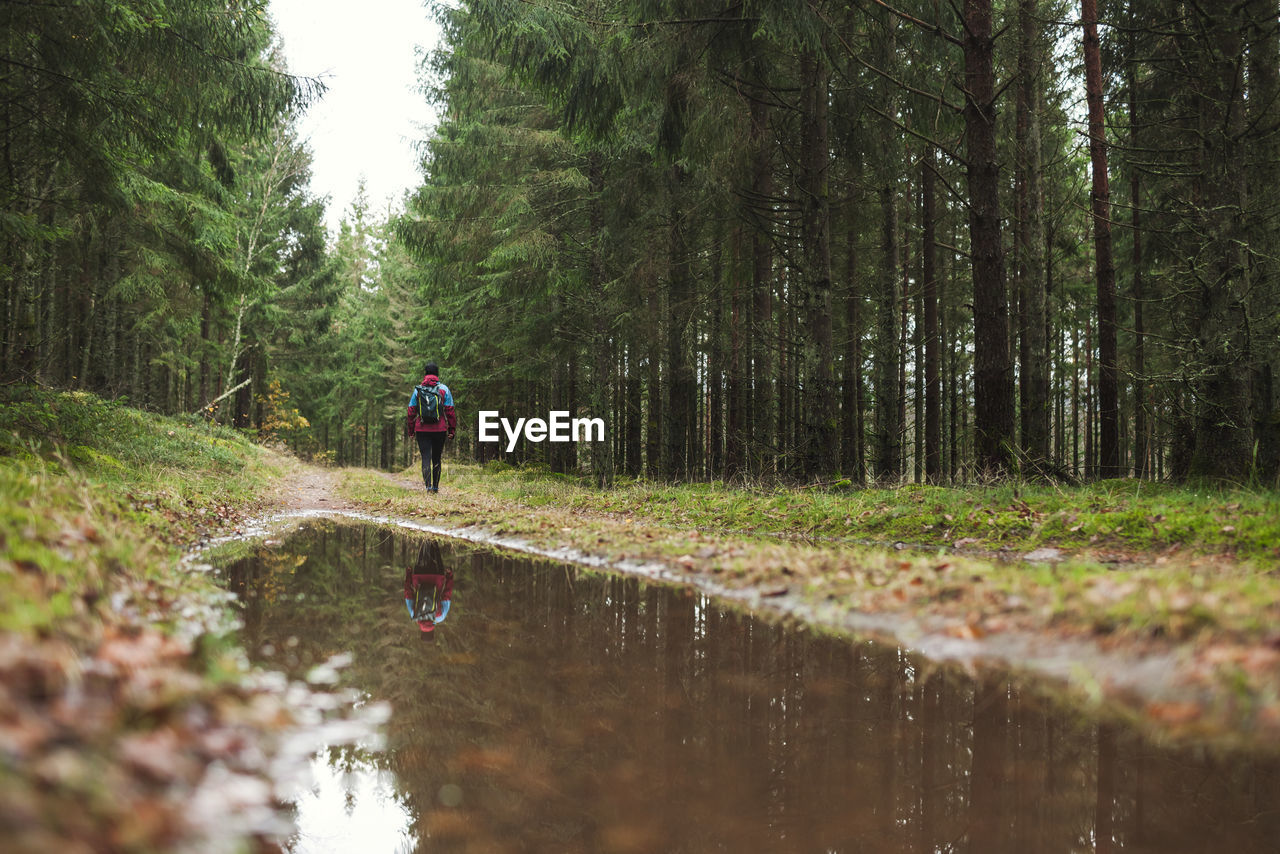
point(686, 237)
point(110, 440)
point(156, 181)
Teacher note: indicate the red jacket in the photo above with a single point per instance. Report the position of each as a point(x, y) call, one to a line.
point(442, 581)
point(448, 423)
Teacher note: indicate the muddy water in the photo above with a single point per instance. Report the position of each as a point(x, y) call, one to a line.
point(562, 711)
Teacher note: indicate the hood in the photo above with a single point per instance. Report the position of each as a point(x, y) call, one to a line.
point(431, 379)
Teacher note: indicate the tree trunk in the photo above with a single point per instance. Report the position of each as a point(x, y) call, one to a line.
point(653, 383)
point(680, 412)
point(599, 334)
point(716, 364)
point(1075, 399)
point(904, 308)
point(818, 409)
point(786, 386)
point(1221, 380)
point(1141, 466)
point(851, 442)
point(736, 420)
point(242, 402)
point(1264, 238)
point(763, 416)
point(204, 344)
point(632, 411)
point(929, 283)
point(1033, 376)
point(1090, 426)
point(1108, 369)
point(917, 393)
point(992, 370)
point(888, 454)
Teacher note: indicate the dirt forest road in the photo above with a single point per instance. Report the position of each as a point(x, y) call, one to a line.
point(308, 489)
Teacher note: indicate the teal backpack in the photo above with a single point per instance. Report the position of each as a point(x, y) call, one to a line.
point(429, 403)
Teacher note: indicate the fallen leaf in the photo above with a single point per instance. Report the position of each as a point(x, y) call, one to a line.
point(158, 755)
point(966, 631)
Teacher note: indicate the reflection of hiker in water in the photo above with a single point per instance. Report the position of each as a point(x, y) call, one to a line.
point(428, 589)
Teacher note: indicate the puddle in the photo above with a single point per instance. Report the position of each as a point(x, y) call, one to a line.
point(560, 710)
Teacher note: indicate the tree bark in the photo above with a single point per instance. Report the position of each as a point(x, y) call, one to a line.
point(602, 460)
point(929, 282)
point(853, 456)
point(763, 413)
point(734, 445)
point(1108, 369)
point(818, 409)
point(653, 383)
point(888, 430)
point(680, 385)
point(1264, 238)
point(993, 370)
point(1033, 376)
point(1141, 466)
point(632, 411)
point(1221, 380)
point(716, 363)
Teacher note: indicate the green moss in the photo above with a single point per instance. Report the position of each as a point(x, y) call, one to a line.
point(93, 493)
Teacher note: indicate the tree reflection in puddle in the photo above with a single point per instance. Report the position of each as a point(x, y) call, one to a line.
point(560, 710)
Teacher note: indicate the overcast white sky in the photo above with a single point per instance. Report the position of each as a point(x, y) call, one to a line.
point(367, 122)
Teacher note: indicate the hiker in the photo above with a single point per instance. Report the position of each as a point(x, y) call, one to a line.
point(431, 419)
point(428, 589)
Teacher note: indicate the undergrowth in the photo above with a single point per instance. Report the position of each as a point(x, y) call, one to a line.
point(92, 491)
point(1115, 514)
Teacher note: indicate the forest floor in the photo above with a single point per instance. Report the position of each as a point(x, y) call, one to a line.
point(129, 718)
point(1180, 628)
point(130, 721)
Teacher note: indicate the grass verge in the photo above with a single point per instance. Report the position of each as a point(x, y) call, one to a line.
point(116, 700)
point(1110, 520)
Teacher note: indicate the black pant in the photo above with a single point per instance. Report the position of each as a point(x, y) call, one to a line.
point(430, 444)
